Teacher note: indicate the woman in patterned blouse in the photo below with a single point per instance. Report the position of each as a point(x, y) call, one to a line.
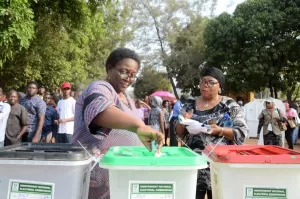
point(106, 116)
point(156, 115)
point(211, 106)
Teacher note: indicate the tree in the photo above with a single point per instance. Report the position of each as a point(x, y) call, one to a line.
point(58, 49)
point(150, 81)
point(256, 46)
point(16, 27)
point(109, 32)
point(158, 21)
point(71, 42)
point(188, 55)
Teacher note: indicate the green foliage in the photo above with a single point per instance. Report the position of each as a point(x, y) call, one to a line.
point(187, 55)
point(71, 42)
point(150, 81)
point(257, 45)
point(296, 94)
point(16, 27)
point(109, 31)
point(158, 23)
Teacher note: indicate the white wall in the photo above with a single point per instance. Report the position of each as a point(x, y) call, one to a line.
point(252, 111)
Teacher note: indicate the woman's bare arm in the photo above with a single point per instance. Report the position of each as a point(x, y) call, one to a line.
point(180, 130)
point(114, 118)
point(145, 104)
point(162, 121)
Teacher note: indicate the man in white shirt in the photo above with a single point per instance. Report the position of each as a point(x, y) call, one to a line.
point(4, 113)
point(66, 111)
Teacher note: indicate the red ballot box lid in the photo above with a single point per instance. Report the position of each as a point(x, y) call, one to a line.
point(256, 154)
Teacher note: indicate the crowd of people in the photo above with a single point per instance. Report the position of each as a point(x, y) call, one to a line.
point(104, 116)
point(38, 116)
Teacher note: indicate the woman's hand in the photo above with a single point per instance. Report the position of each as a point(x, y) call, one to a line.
point(226, 132)
point(61, 121)
point(35, 139)
point(290, 117)
point(147, 134)
point(188, 115)
point(19, 137)
point(215, 129)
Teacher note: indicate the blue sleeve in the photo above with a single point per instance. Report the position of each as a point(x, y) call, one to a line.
point(176, 109)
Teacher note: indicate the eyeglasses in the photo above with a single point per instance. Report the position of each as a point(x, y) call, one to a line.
point(126, 75)
point(209, 83)
point(66, 88)
point(268, 102)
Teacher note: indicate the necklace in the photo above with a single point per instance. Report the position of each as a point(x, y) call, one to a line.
point(206, 103)
point(125, 102)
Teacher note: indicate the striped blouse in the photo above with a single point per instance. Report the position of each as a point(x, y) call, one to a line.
point(96, 98)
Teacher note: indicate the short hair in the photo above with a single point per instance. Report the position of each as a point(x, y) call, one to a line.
point(294, 106)
point(120, 54)
point(172, 106)
point(32, 82)
point(184, 98)
point(14, 91)
point(164, 102)
point(138, 103)
point(55, 98)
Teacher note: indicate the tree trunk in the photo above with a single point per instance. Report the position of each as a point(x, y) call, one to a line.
point(275, 93)
point(167, 67)
point(163, 52)
point(271, 91)
point(289, 93)
point(174, 87)
point(289, 96)
point(171, 80)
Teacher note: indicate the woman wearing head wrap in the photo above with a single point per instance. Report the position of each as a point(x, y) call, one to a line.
point(269, 120)
point(210, 108)
point(156, 116)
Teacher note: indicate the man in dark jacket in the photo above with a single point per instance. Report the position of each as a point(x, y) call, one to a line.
point(50, 128)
